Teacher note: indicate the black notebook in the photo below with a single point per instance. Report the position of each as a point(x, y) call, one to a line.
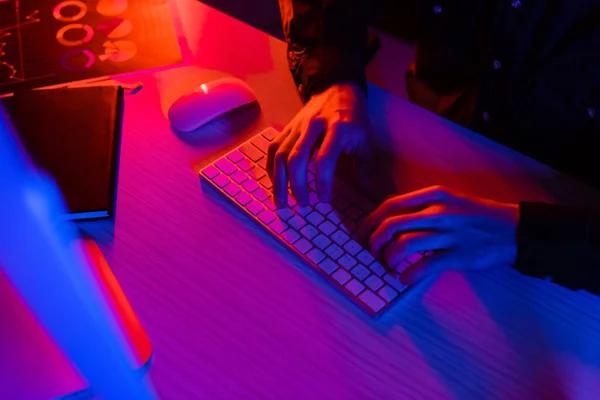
point(74, 134)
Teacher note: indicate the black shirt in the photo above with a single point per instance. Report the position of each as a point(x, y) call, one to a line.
point(525, 73)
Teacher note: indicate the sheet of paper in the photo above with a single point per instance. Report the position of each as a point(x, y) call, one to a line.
point(49, 42)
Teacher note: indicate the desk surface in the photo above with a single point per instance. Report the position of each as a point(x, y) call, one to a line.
point(232, 315)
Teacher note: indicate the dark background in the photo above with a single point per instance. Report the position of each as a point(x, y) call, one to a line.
point(392, 16)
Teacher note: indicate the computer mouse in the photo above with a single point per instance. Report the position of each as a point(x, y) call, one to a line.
point(209, 101)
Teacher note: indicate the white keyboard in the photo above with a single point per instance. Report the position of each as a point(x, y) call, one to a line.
point(320, 233)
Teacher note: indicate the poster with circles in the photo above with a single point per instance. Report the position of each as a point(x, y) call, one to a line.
point(49, 42)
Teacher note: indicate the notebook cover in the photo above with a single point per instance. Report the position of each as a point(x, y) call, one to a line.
point(74, 134)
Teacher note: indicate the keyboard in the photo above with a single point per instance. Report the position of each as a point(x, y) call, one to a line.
point(320, 233)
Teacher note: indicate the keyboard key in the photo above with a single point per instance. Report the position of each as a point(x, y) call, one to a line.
point(365, 257)
point(313, 186)
point(315, 218)
point(221, 181)
point(348, 226)
point(245, 165)
point(341, 275)
point(402, 266)
point(341, 203)
point(251, 151)
point(262, 163)
point(210, 171)
point(354, 212)
point(250, 185)
point(290, 236)
point(266, 216)
point(261, 143)
point(270, 134)
point(313, 198)
point(235, 156)
point(303, 245)
point(256, 173)
point(309, 231)
point(232, 190)
point(315, 255)
point(255, 207)
point(321, 241)
point(238, 176)
point(310, 176)
point(297, 222)
point(266, 182)
point(334, 217)
point(270, 205)
point(373, 301)
point(353, 247)
point(377, 268)
point(360, 272)
point(347, 261)
point(373, 282)
point(355, 287)
point(365, 204)
point(243, 198)
point(394, 282)
point(278, 226)
point(334, 251)
point(327, 228)
point(304, 211)
point(312, 167)
point(285, 213)
point(340, 237)
point(387, 293)
point(428, 253)
point(226, 166)
point(415, 258)
point(328, 266)
point(324, 208)
point(261, 194)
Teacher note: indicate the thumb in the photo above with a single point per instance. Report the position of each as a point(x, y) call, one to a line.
point(430, 265)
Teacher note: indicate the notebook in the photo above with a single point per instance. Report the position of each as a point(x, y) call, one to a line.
point(74, 134)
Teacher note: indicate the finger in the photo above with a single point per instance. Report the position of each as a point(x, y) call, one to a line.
point(280, 177)
point(405, 203)
point(400, 224)
point(273, 148)
point(411, 243)
point(300, 157)
point(427, 266)
point(327, 157)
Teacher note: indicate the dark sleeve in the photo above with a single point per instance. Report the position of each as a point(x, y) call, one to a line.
point(560, 243)
point(327, 42)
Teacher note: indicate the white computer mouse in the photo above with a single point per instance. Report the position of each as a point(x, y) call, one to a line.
point(209, 101)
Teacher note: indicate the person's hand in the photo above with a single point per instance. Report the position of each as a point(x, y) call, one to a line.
point(337, 121)
point(458, 231)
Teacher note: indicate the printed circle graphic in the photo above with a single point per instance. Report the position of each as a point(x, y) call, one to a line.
point(60, 35)
point(111, 8)
point(71, 62)
point(58, 15)
point(115, 29)
point(119, 51)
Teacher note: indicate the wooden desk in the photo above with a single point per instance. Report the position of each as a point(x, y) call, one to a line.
point(232, 316)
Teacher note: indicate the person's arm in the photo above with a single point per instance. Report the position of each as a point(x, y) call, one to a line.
point(327, 42)
point(560, 243)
